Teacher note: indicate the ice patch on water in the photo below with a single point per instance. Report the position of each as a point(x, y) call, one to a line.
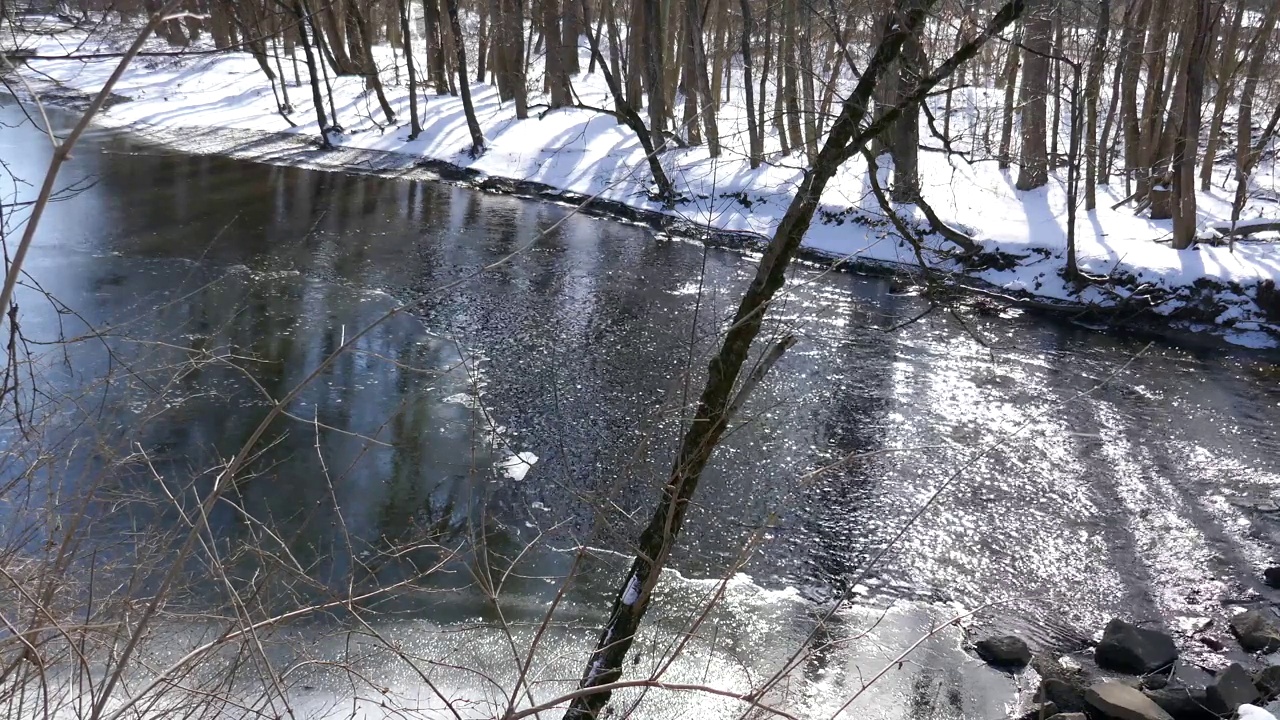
point(689, 288)
point(518, 465)
point(463, 399)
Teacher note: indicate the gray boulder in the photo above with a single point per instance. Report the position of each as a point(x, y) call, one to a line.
point(1257, 631)
point(1232, 688)
point(1183, 703)
point(1117, 701)
point(1267, 680)
point(1069, 716)
point(1068, 696)
point(1127, 648)
point(1004, 651)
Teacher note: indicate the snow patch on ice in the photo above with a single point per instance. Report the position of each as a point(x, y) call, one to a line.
point(632, 592)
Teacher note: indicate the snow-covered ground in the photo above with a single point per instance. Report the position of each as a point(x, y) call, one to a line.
point(584, 152)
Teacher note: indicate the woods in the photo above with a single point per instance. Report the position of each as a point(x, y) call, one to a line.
point(1175, 93)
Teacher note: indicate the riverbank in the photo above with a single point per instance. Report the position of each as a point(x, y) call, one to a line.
point(223, 104)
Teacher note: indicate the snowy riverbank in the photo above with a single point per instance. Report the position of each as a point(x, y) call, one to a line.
point(223, 103)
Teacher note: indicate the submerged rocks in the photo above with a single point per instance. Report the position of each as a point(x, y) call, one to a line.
point(1257, 631)
point(1117, 701)
point(1004, 651)
point(1232, 688)
point(1127, 648)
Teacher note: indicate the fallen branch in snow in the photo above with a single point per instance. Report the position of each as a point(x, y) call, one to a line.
point(1246, 228)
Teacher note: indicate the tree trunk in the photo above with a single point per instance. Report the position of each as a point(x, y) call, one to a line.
point(1097, 62)
point(1248, 94)
point(435, 46)
point(1226, 77)
point(1187, 141)
point(1134, 32)
point(654, 45)
point(301, 14)
point(754, 139)
point(572, 28)
point(415, 128)
point(791, 77)
point(511, 46)
point(557, 77)
point(1034, 167)
point(904, 141)
point(364, 36)
point(628, 116)
point(1010, 76)
point(464, 82)
point(482, 40)
point(761, 101)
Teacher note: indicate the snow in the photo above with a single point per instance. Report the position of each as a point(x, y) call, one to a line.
point(1253, 712)
point(518, 465)
point(588, 153)
point(632, 593)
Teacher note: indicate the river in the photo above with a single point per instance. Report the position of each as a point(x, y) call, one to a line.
point(1088, 474)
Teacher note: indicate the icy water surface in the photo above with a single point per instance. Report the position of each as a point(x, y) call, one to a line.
point(1086, 475)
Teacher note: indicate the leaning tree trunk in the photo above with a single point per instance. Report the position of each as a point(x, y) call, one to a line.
point(628, 115)
point(364, 35)
point(464, 82)
point(316, 97)
point(723, 394)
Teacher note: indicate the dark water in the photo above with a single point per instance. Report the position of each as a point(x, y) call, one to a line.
point(1088, 474)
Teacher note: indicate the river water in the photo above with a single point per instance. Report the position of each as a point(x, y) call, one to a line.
point(1086, 474)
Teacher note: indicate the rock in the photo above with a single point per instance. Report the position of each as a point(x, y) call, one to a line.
point(1155, 682)
point(1232, 688)
point(1004, 651)
point(1130, 649)
point(1069, 697)
point(1271, 576)
point(1069, 716)
point(1212, 643)
point(1253, 712)
point(1183, 703)
point(1117, 701)
point(1256, 631)
point(1267, 680)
